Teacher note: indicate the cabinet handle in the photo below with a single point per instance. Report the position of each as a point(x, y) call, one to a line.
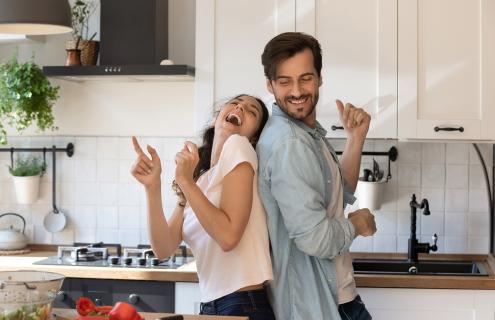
point(460, 129)
point(61, 296)
point(334, 128)
point(133, 298)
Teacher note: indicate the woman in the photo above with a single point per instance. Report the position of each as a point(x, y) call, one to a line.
point(219, 213)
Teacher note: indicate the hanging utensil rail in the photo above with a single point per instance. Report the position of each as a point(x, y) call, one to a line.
point(392, 154)
point(69, 150)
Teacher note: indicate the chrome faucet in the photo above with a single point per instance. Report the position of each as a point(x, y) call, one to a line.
point(415, 247)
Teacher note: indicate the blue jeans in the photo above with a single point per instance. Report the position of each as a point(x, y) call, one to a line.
point(354, 310)
point(253, 304)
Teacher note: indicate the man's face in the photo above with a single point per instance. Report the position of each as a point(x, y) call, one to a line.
point(296, 87)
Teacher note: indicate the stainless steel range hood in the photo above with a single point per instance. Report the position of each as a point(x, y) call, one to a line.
point(133, 42)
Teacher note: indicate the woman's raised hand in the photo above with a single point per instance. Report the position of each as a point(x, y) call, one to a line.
point(187, 160)
point(147, 171)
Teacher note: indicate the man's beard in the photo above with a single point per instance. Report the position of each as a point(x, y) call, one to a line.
point(295, 114)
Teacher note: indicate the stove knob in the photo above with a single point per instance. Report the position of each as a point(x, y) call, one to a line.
point(155, 261)
point(133, 299)
point(128, 261)
point(61, 296)
point(114, 260)
point(142, 261)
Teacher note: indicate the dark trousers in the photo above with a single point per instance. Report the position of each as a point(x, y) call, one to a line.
point(354, 310)
point(253, 304)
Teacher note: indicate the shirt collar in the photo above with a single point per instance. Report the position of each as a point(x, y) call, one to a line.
point(317, 132)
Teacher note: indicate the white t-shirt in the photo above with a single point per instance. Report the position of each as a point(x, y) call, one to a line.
point(219, 272)
point(343, 262)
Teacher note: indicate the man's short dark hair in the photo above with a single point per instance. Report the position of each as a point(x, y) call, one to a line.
point(285, 46)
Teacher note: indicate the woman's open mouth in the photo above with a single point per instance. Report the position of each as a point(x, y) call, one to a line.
point(234, 119)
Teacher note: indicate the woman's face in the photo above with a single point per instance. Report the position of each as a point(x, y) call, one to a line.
point(241, 115)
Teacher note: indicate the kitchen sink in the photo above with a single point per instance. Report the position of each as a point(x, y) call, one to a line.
point(451, 268)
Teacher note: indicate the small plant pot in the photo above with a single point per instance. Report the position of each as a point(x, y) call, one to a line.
point(369, 194)
point(89, 50)
point(27, 189)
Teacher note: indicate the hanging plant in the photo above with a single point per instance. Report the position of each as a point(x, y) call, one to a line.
point(26, 96)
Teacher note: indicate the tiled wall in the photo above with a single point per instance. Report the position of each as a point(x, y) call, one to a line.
point(104, 203)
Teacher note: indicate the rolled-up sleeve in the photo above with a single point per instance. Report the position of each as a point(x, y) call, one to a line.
point(295, 182)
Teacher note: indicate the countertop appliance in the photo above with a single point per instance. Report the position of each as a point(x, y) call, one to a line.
point(146, 296)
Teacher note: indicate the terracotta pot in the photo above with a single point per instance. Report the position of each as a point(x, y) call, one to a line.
point(89, 51)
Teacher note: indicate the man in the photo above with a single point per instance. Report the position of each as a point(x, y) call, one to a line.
point(304, 189)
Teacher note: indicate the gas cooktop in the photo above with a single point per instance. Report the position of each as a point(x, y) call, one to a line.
point(97, 255)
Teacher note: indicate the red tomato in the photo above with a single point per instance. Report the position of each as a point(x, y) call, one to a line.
point(84, 306)
point(123, 311)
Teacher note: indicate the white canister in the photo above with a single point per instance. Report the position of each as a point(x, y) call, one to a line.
point(370, 194)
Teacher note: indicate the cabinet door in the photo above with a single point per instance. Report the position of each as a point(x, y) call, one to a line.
point(230, 38)
point(446, 67)
point(359, 48)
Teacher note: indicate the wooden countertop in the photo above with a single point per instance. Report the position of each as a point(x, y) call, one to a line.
point(187, 272)
point(429, 282)
point(69, 314)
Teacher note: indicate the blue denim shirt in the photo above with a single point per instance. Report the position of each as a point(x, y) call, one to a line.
point(295, 188)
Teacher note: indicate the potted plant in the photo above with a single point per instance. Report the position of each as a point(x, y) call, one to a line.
point(82, 43)
point(369, 188)
point(26, 175)
point(26, 96)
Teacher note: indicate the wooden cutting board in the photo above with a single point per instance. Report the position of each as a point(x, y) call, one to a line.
point(71, 314)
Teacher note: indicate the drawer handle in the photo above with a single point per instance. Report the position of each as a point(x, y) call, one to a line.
point(334, 128)
point(460, 129)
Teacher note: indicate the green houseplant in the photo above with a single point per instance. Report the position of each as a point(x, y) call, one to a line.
point(26, 174)
point(83, 42)
point(26, 96)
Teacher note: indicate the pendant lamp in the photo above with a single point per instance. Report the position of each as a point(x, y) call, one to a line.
point(35, 17)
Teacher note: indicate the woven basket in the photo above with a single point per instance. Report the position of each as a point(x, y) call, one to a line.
point(89, 51)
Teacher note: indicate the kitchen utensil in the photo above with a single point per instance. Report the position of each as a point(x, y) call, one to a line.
point(10, 239)
point(28, 294)
point(55, 220)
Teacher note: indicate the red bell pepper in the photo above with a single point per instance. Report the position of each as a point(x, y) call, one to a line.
point(123, 311)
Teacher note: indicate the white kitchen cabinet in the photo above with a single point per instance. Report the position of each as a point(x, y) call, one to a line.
point(359, 48)
point(446, 69)
point(187, 298)
point(230, 38)
point(429, 304)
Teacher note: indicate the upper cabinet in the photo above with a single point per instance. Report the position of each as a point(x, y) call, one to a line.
point(446, 59)
point(358, 38)
point(359, 48)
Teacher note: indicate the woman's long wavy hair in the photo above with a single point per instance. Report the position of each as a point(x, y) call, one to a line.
point(205, 150)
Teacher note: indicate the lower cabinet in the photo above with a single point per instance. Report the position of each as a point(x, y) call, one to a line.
point(187, 298)
point(429, 304)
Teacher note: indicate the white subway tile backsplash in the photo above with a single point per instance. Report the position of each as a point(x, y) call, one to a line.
point(432, 175)
point(107, 148)
point(478, 200)
point(456, 224)
point(457, 177)
point(433, 153)
point(455, 244)
point(128, 217)
point(384, 243)
point(85, 147)
point(479, 224)
point(409, 152)
point(386, 222)
point(435, 197)
point(479, 245)
point(107, 217)
point(362, 244)
point(457, 153)
point(456, 200)
point(477, 177)
point(103, 202)
point(486, 153)
point(107, 170)
point(434, 223)
point(107, 194)
point(409, 175)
